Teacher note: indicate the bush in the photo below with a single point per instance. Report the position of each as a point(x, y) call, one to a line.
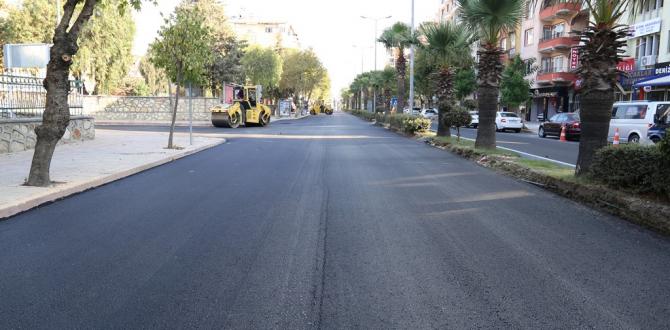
point(641, 169)
point(369, 116)
point(405, 123)
point(470, 104)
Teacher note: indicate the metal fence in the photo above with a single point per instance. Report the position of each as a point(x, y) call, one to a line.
point(25, 97)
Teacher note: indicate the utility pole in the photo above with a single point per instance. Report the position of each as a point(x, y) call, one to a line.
point(361, 106)
point(376, 19)
point(411, 66)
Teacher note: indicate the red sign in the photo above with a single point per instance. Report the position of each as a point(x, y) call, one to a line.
point(626, 65)
point(574, 58)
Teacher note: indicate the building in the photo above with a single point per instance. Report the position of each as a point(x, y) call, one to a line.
point(447, 11)
point(548, 37)
point(647, 60)
point(266, 33)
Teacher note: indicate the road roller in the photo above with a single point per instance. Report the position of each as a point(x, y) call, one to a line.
point(241, 105)
point(319, 107)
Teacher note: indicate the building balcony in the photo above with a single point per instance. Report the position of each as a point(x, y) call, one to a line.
point(556, 42)
point(560, 10)
point(555, 76)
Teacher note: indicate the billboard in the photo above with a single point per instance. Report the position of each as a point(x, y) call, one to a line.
point(26, 55)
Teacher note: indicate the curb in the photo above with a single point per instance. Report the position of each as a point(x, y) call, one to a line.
point(27, 205)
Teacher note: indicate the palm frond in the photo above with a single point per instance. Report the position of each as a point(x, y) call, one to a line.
point(489, 17)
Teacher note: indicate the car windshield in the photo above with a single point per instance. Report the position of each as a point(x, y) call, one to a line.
point(572, 117)
point(508, 114)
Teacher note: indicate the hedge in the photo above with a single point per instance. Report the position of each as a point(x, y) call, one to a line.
point(405, 123)
point(641, 169)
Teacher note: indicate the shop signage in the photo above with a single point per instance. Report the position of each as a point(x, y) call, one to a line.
point(574, 58)
point(644, 28)
point(634, 76)
point(626, 65)
point(662, 68)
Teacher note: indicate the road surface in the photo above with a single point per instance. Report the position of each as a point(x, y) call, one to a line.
point(327, 222)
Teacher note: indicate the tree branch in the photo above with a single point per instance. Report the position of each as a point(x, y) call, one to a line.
point(68, 11)
point(83, 17)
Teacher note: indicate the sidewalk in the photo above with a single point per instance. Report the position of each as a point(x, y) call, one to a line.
point(80, 166)
point(179, 123)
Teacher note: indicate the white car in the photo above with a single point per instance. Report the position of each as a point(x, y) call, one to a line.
point(508, 120)
point(416, 111)
point(475, 119)
point(633, 119)
point(429, 113)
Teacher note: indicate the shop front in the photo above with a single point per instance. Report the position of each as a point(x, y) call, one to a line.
point(549, 101)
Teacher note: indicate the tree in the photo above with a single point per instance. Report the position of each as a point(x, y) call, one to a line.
point(182, 49)
point(465, 82)
point(262, 66)
point(602, 41)
point(105, 40)
point(424, 66)
point(397, 38)
point(227, 62)
point(105, 48)
point(488, 18)
point(56, 115)
point(302, 73)
point(154, 78)
point(459, 117)
point(514, 88)
point(449, 43)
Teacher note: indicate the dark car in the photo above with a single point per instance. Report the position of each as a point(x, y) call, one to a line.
point(661, 124)
point(555, 124)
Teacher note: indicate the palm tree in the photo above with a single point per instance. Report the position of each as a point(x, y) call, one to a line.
point(602, 41)
point(449, 43)
point(398, 37)
point(387, 80)
point(488, 18)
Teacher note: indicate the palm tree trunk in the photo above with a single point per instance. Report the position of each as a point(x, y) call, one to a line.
point(400, 66)
point(488, 80)
point(444, 90)
point(595, 121)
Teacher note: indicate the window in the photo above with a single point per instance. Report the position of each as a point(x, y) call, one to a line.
point(512, 40)
point(503, 44)
point(557, 64)
point(528, 38)
point(629, 112)
point(268, 30)
point(662, 113)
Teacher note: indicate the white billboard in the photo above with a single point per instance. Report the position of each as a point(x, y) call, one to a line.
point(26, 55)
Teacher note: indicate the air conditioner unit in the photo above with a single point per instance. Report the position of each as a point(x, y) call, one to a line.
point(648, 60)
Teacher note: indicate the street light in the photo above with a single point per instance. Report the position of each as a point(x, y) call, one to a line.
point(411, 65)
point(376, 19)
point(362, 70)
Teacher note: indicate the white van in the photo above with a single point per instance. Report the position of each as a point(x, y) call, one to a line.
point(633, 119)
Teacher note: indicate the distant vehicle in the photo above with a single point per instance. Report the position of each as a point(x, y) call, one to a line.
point(554, 126)
point(416, 111)
point(657, 132)
point(508, 120)
point(635, 118)
point(429, 113)
point(475, 119)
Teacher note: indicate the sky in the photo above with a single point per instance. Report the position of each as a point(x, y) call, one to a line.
point(331, 28)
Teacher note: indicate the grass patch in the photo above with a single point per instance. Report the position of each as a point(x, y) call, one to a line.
point(548, 168)
point(469, 144)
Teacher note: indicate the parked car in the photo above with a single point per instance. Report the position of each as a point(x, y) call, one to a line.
point(508, 120)
point(657, 132)
point(429, 113)
point(475, 119)
point(416, 111)
point(554, 126)
point(635, 118)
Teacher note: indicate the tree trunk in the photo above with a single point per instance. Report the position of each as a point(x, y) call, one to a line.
point(444, 90)
point(56, 116)
point(489, 71)
point(174, 118)
point(400, 69)
point(595, 121)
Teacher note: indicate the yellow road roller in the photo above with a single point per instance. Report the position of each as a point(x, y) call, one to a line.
point(319, 108)
point(241, 105)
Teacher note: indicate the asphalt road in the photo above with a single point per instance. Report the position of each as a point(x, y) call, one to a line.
point(328, 222)
point(549, 147)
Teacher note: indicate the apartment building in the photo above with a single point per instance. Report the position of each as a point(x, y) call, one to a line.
point(647, 60)
point(266, 33)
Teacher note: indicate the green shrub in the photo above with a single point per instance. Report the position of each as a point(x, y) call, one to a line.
point(413, 125)
point(470, 104)
point(638, 168)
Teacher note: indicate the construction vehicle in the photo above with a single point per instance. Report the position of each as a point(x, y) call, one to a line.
point(319, 107)
point(241, 105)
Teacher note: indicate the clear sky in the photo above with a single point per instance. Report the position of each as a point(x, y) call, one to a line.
point(331, 28)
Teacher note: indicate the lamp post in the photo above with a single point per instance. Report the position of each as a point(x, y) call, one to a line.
point(362, 70)
point(411, 65)
point(376, 20)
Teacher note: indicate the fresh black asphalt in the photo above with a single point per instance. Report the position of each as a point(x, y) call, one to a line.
point(291, 230)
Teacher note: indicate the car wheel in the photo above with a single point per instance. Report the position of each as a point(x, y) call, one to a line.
point(541, 133)
point(634, 138)
point(655, 139)
point(518, 130)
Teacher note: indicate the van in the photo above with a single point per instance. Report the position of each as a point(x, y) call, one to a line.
point(633, 119)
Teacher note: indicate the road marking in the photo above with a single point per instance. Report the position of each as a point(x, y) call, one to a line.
point(529, 155)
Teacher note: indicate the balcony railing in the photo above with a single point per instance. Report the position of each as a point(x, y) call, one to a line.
point(560, 9)
point(553, 69)
point(553, 35)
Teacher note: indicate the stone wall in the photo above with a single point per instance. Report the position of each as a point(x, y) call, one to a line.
point(19, 134)
point(138, 108)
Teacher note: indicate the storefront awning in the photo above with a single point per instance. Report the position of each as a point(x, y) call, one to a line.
point(654, 81)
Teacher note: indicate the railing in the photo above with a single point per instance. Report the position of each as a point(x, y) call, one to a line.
point(553, 35)
point(25, 97)
point(553, 69)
